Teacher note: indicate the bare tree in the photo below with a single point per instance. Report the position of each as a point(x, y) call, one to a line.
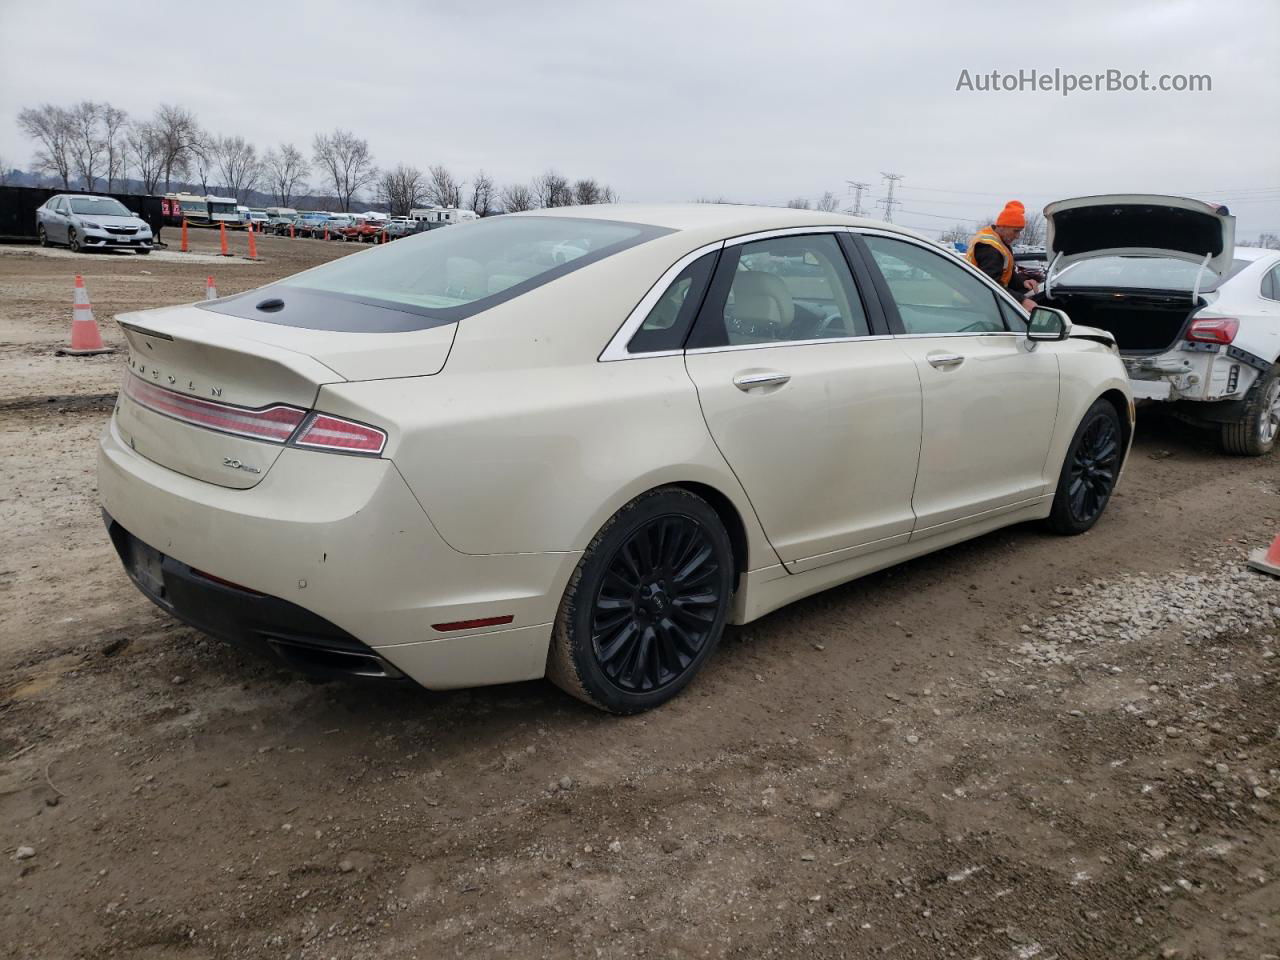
point(285, 169)
point(586, 191)
point(145, 149)
point(517, 197)
point(114, 122)
point(1033, 232)
point(203, 158)
point(799, 203)
point(956, 234)
point(238, 165)
point(1269, 241)
point(50, 126)
point(827, 203)
point(608, 194)
point(346, 162)
point(86, 142)
point(443, 188)
point(5, 173)
point(180, 140)
point(552, 190)
point(483, 194)
point(401, 189)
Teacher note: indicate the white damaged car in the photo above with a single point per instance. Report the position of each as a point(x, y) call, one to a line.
point(1197, 319)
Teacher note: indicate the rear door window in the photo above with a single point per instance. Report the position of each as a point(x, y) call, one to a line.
point(783, 290)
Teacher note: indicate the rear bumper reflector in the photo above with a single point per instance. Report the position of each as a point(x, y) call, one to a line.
point(472, 624)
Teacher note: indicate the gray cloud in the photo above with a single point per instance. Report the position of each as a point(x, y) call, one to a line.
point(675, 100)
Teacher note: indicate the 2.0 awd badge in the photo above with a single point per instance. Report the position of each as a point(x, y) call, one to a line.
point(235, 464)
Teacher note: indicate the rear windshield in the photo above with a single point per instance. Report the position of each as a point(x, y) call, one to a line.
point(440, 276)
point(472, 262)
point(1144, 273)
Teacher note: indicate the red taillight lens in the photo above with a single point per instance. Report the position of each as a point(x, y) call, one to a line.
point(1213, 329)
point(275, 423)
point(323, 432)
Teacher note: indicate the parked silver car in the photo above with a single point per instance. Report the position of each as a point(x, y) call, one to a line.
point(86, 222)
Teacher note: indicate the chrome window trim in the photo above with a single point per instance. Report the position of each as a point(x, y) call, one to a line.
point(769, 344)
point(616, 349)
point(965, 264)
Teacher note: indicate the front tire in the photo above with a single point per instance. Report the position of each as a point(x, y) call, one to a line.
point(1089, 472)
point(42, 236)
point(1255, 434)
point(73, 242)
point(646, 605)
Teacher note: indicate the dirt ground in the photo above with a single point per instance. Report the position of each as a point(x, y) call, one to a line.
point(1022, 747)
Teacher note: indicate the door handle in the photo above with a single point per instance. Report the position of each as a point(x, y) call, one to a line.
point(945, 359)
point(768, 378)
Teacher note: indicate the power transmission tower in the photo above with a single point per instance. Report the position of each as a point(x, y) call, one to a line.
point(857, 189)
point(888, 202)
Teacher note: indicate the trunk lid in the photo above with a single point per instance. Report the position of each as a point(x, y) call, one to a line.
point(212, 396)
point(1144, 225)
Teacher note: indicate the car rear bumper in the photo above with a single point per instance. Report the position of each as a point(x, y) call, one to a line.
point(343, 540)
point(251, 620)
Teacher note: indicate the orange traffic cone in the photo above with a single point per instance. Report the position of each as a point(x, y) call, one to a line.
point(253, 244)
point(326, 233)
point(210, 291)
point(222, 231)
point(184, 234)
point(86, 339)
point(1267, 561)
point(291, 231)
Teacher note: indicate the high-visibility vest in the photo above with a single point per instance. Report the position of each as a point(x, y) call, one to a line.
point(989, 236)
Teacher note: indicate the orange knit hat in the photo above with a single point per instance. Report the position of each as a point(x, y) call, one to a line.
point(1013, 215)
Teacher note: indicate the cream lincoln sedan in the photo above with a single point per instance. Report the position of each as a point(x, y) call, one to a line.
point(578, 442)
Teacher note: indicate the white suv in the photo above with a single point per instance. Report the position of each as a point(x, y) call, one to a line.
point(1197, 319)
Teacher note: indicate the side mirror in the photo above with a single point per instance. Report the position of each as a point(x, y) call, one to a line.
point(1048, 323)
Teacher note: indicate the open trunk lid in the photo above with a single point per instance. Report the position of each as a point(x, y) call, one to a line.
point(1143, 225)
point(216, 397)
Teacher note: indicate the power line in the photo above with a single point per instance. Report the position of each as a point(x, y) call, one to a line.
point(888, 202)
point(857, 187)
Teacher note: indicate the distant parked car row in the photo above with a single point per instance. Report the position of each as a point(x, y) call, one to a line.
point(351, 227)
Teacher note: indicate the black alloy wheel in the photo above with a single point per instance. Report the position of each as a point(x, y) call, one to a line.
point(1094, 465)
point(1090, 472)
point(646, 605)
point(656, 605)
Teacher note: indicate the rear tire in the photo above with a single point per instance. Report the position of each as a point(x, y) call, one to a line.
point(1254, 434)
point(646, 605)
point(1089, 471)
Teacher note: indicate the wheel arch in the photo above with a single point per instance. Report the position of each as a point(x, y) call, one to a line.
point(1118, 399)
point(730, 517)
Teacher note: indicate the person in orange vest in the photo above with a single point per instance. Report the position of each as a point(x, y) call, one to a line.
point(990, 252)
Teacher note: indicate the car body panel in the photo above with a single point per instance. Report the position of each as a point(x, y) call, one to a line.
point(842, 399)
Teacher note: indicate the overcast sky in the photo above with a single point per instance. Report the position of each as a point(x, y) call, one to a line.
point(750, 101)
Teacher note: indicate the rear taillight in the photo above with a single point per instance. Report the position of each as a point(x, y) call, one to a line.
point(1213, 329)
point(323, 432)
point(275, 423)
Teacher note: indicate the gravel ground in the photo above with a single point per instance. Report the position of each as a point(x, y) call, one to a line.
point(1020, 747)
